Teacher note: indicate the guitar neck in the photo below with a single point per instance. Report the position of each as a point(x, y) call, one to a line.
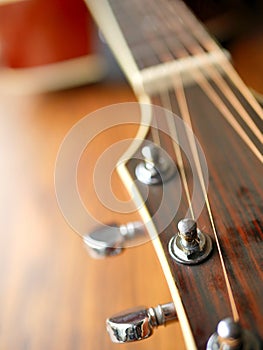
point(144, 39)
point(155, 36)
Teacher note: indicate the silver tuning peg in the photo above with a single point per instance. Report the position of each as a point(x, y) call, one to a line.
point(110, 240)
point(231, 336)
point(156, 168)
point(138, 324)
point(190, 245)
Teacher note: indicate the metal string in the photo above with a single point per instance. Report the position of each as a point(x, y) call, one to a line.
point(203, 42)
point(196, 49)
point(200, 43)
point(204, 39)
point(179, 91)
point(166, 102)
point(181, 98)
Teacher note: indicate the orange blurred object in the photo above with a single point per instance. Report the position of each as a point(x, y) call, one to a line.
point(47, 45)
point(39, 32)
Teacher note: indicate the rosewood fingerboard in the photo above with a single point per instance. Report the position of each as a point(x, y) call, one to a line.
point(152, 26)
point(158, 32)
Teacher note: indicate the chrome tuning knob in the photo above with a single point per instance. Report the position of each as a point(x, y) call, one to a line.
point(157, 166)
point(138, 324)
point(110, 240)
point(231, 336)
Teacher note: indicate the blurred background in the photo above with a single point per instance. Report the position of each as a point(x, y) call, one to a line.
point(54, 70)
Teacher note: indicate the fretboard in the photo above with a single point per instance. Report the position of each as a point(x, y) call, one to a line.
point(155, 36)
point(152, 45)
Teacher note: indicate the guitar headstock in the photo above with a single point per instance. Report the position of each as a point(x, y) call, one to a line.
point(199, 160)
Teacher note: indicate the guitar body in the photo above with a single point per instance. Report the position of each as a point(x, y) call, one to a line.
point(208, 98)
point(49, 46)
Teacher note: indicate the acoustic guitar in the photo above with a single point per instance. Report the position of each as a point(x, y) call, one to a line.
point(197, 155)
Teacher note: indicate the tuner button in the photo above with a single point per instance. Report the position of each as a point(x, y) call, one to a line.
point(138, 324)
point(109, 240)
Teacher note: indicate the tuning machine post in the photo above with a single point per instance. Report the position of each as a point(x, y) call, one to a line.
point(190, 246)
point(231, 336)
point(110, 240)
point(138, 324)
point(156, 168)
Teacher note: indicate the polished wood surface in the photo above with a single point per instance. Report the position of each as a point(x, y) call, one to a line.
point(235, 196)
point(53, 295)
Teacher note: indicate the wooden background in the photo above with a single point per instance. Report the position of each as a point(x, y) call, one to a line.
point(52, 294)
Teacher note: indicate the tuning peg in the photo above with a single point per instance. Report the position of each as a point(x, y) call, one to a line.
point(231, 336)
point(190, 245)
point(110, 240)
point(138, 324)
point(157, 166)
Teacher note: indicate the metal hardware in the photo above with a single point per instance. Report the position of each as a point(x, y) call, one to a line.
point(230, 336)
point(156, 168)
point(139, 324)
point(190, 245)
point(109, 240)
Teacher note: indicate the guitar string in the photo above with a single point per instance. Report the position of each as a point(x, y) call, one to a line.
point(232, 302)
point(217, 78)
point(198, 31)
point(238, 82)
point(165, 100)
point(176, 147)
point(217, 101)
point(155, 131)
point(210, 92)
point(179, 91)
point(214, 75)
point(181, 98)
point(214, 97)
point(186, 116)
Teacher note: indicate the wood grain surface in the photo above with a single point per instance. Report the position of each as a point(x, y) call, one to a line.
point(53, 295)
point(235, 198)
